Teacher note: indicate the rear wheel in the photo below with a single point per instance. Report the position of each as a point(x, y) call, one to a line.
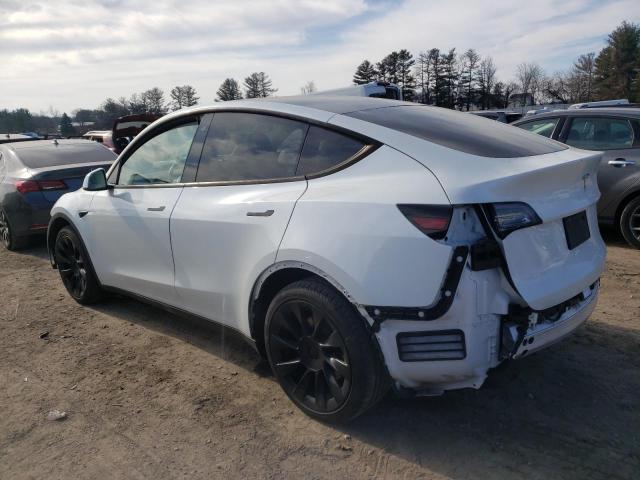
point(630, 222)
point(7, 235)
point(75, 269)
point(321, 352)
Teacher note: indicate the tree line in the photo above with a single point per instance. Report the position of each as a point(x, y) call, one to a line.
point(153, 100)
point(468, 81)
point(448, 79)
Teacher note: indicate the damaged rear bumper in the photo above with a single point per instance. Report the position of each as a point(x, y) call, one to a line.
point(542, 329)
point(479, 331)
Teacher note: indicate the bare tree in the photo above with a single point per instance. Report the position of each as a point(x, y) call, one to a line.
point(584, 68)
point(508, 90)
point(530, 78)
point(486, 81)
point(422, 73)
point(469, 63)
point(184, 96)
point(308, 88)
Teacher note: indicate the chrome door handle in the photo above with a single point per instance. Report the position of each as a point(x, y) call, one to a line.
point(156, 209)
point(621, 162)
point(266, 213)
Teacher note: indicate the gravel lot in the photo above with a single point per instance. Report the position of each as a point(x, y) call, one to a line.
point(153, 395)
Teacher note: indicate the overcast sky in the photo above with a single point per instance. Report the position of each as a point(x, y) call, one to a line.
point(71, 54)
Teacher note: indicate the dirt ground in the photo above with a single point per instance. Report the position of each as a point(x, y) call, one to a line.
point(153, 395)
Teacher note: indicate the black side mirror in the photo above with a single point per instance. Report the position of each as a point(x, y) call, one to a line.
point(95, 181)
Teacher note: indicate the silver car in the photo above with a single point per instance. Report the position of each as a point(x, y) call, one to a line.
point(616, 132)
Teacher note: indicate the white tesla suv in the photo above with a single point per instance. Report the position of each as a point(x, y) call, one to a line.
point(358, 243)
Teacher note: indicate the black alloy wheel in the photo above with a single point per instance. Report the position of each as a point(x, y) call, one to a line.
point(75, 268)
point(71, 265)
point(310, 356)
point(322, 352)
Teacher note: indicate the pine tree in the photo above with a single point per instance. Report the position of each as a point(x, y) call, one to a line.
point(436, 76)
point(447, 78)
point(229, 90)
point(365, 73)
point(617, 66)
point(405, 79)
point(66, 128)
point(258, 85)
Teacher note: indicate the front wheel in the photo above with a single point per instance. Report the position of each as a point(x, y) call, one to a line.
point(322, 353)
point(75, 268)
point(630, 222)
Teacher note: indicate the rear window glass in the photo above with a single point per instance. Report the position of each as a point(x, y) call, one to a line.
point(69, 154)
point(460, 131)
point(324, 149)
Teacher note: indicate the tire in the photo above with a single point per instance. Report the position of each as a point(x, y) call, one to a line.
point(75, 268)
point(321, 352)
point(630, 222)
point(8, 237)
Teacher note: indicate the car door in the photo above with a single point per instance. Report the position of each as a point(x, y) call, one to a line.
point(615, 137)
point(227, 226)
point(128, 224)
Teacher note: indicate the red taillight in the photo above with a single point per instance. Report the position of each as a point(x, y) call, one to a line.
point(432, 220)
point(30, 186)
point(27, 186)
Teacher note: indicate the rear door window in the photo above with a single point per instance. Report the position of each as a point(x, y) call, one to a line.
point(600, 133)
point(543, 126)
point(251, 147)
point(324, 149)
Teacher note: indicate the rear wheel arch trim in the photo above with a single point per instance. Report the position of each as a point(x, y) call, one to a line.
point(295, 265)
point(64, 221)
point(57, 223)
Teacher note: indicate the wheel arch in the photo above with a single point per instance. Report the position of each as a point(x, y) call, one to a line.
point(274, 279)
point(57, 223)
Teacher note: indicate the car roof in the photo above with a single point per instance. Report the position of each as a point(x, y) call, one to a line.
point(470, 134)
point(585, 112)
point(46, 153)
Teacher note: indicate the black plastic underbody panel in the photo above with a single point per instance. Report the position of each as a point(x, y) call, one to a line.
point(431, 312)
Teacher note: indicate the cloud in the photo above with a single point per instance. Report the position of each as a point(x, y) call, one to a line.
point(77, 53)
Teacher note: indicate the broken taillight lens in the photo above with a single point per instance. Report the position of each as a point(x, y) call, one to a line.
point(432, 220)
point(509, 216)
